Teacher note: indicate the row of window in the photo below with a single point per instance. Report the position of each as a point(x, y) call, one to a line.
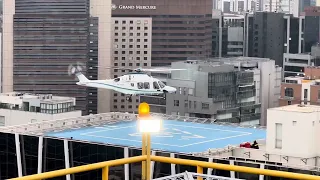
point(130, 64)
point(130, 52)
point(146, 85)
point(130, 40)
point(130, 28)
point(130, 46)
point(130, 34)
point(130, 58)
point(130, 22)
point(122, 100)
point(188, 104)
point(122, 106)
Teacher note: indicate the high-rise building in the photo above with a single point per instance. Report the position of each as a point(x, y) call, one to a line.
point(44, 37)
point(131, 49)
point(310, 23)
point(180, 28)
point(272, 34)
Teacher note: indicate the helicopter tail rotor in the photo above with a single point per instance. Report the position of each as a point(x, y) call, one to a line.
point(73, 69)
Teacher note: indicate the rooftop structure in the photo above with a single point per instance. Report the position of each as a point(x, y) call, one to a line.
point(20, 108)
point(81, 142)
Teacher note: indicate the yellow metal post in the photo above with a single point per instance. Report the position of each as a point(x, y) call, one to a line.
point(148, 164)
point(144, 114)
point(199, 171)
point(105, 173)
point(144, 150)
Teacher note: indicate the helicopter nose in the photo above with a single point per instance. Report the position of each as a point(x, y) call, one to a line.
point(171, 89)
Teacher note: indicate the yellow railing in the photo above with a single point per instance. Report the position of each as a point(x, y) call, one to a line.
point(199, 164)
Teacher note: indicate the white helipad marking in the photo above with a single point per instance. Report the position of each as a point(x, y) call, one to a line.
point(184, 135)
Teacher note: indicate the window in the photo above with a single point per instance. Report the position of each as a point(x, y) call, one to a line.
point(145, 28)
point(145, 40)
point(131, 22)
point(145, 58)
point(195, 104)
point(289, 102)
point(278, 140)
point(305, 93)
point(288, 92)
point(294, 123)
point(190, 91)
point(145, 52)
point(155, 85)
point(132, 84)
point(146, 85)
point(161, 84)
point(145, 46)
point(123, 28)
point(176, 102)
point(140, 85)
point(186, 103)
point(131, 28)
point(145, 34)
point(131, 40)
point(205, 106)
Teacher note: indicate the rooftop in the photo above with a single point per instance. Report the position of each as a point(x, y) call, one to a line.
point(14, 97)
point(179, 134)
point(298, 108)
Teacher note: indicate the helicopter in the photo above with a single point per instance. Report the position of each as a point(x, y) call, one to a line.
point(135, 83)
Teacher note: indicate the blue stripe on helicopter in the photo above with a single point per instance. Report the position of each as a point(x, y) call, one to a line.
point(149, 91)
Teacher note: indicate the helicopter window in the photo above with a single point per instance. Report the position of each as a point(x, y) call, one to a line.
point(155, 85)
point(140, 85)
point(132, 84)
point(146, 85)
point(161, 84)
point(117, 79)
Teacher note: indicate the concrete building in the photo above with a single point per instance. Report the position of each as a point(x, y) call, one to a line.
point(23, 108)
point(294, 64)
point(268, 35)
point(44, 37)
point(265, 88)
point(301, 90)
point(284, 122)
point(181, 28)
point(131, 39)
point(267, 79)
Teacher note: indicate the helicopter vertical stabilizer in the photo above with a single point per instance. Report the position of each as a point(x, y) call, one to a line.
point(81, 77)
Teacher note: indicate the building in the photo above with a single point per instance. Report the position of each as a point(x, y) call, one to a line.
point(267, 79)
point(298, 122)
point(262, 90)
point(269, 35)
point(229, 94)
point(131, 39)
point(44, 37)
point(180, 28)
point(282, 125)
point(301, 90)
point(28, 149)
point(294, 64)
point(23, 108)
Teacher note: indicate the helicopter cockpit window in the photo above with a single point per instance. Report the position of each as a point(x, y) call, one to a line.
point(117, 79)
point(155, 85)
point(161, 84)
point(140, 85)
point(146, 85)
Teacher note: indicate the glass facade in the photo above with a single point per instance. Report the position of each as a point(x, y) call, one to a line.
point(48, 36)
point(81, 153)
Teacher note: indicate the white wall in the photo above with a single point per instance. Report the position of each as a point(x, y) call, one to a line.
point(297, 140)
point(102, 10)
point(15, 117)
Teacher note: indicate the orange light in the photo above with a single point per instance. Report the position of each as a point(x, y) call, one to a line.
point(144, 109)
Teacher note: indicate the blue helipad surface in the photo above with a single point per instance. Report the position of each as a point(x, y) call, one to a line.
point(176, 136)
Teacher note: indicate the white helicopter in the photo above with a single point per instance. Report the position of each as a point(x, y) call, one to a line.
point(134, 83)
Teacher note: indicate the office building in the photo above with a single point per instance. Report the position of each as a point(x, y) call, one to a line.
point(180, 28)
point(310, 21)
point(24, 108)
point(210, 89)
point(272, 34)
point(131, 49)
point(44, 37)
point(263, 93)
